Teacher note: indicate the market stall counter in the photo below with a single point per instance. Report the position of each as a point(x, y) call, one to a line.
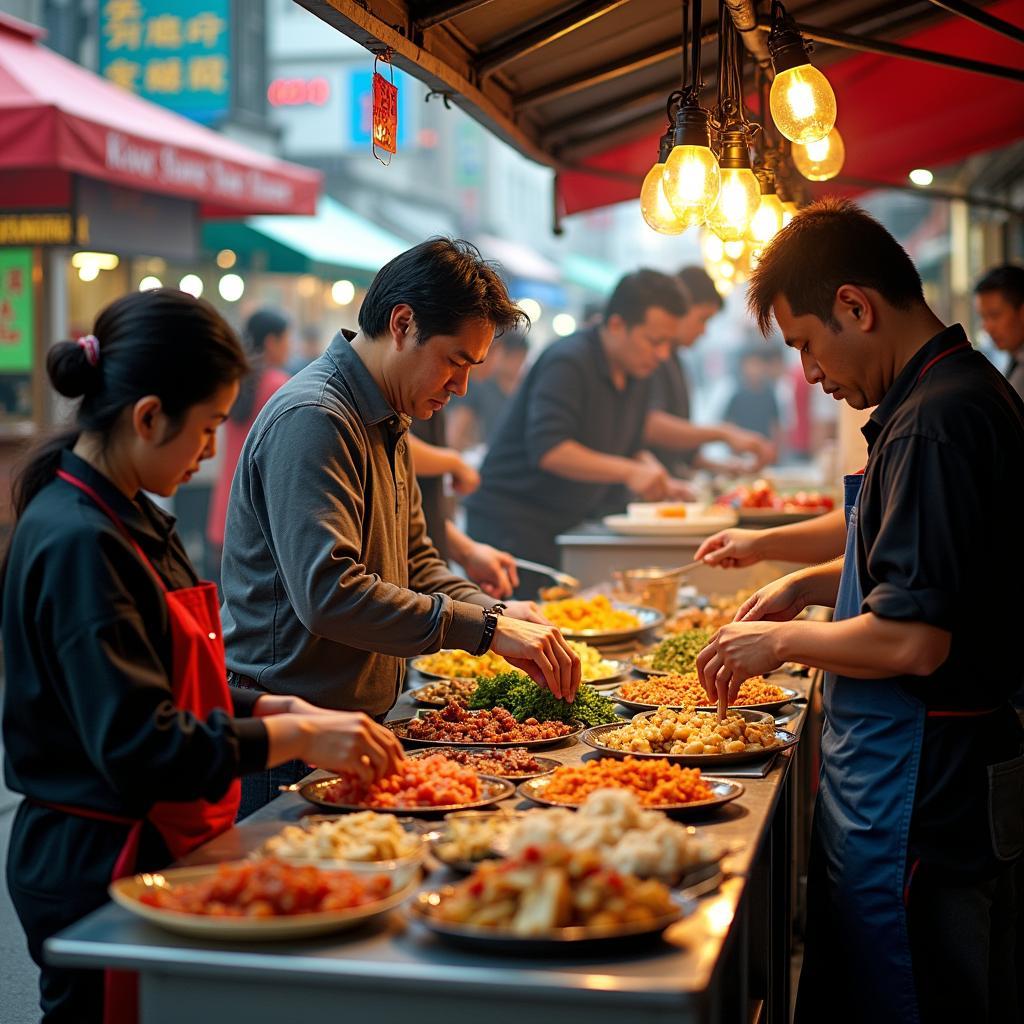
point(728, 960)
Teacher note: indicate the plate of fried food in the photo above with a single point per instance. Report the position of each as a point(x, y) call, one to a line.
point(599, 619)
point(466, 838)
point(548, 900)
point(429, 785)
point(456, 726)
point(675, 653)
point(658, 784)
point(692, 737)
point(262, 900)
point(364, 840)
point(460, 670)
point(629, 837)
point(683, 690)
point(514, 763)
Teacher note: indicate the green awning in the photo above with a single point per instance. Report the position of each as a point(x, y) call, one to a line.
point(592, 274)
point(337, 242)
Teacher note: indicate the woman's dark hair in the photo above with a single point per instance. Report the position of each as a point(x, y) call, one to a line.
point(643, 290)
point(160, 342)
point(698, 288)
point(447, 283)
point(830, 243)
point(263, 324)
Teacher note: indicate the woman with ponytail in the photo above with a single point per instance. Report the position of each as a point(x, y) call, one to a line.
point(120, 731)
point(266, 338)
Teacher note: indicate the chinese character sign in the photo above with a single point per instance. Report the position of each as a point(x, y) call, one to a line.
point(173, 52)
point(385, 114)
point(362, 112)
point(17, 311)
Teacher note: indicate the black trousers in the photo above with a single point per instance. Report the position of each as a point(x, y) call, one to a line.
point(58, 869)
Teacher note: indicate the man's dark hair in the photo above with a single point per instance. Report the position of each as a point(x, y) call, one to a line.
point(1008, 279)
point(447, 283)
point(643, 290)
point(831, 243)
point(698, 288)
point(514, 341)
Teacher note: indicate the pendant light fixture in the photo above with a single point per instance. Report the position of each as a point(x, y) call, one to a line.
point(740, 193)
point(654, 205)
point(821, 160)
point(692, 179)
point(803, 104)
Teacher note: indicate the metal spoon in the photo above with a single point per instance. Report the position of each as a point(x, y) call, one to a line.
point(562, 578)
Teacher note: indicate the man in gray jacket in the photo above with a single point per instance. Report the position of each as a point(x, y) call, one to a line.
point(330, 579)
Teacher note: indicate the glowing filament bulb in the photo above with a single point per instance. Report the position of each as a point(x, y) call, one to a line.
point(803, 104)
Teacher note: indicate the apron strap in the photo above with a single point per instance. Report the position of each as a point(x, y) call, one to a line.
point(115, 519)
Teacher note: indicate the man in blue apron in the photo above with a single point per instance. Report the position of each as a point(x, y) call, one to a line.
point(920, 815)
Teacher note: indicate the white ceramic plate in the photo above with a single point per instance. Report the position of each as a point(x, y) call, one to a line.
point(691, 526)
point(126, 892)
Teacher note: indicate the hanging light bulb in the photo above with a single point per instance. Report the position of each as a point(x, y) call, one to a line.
point(740, 193)
point(712, 248)
point(802, 102)
point(821, 160)
point(767, 220)
point(654, 205)
point(734, 250)
point(692, 177)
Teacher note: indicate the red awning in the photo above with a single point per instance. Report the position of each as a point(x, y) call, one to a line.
point(894, 114)
point(61, 119)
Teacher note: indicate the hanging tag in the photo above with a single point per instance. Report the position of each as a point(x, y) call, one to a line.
point(385, 112)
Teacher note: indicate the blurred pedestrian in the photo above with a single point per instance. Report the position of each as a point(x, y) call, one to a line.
point(311, 347)
point(754, 405)
point(999, 299)
point(267, 344)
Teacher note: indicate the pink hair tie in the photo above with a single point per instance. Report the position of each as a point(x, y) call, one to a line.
point(90, 343)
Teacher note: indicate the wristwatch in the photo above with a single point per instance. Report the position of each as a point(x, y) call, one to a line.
point(490, 625)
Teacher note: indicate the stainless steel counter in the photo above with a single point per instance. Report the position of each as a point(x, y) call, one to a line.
point(723, 963)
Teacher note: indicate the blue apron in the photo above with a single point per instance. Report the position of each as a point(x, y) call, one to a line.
point(858, 964)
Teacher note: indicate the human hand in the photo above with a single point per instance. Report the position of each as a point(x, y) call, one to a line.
point(493, 571)
point(647, 479)
point(780, 601)
point(732, 549)
point(527, 611)
point(748, 442)
point(679, 490)
point(736, 653)
point(541, 652)
point(342, 741)
point(465, 479)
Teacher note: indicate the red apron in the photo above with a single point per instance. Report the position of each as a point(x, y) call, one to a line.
point(198, 685)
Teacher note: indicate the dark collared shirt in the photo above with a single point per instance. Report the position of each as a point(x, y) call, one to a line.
point(670, 392)
point(568, 395)
point(88, 714)
point(939, 542)
point(329, 577)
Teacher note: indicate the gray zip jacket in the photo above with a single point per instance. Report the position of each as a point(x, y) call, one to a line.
point(329, 577)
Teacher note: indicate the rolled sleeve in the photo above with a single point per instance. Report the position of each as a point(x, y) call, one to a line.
point(927, 507)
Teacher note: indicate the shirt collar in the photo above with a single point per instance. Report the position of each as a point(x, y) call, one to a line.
point(141, 517)
point(372, 406)
point(906, 380)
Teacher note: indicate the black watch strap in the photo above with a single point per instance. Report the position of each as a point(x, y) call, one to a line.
point(490, 626)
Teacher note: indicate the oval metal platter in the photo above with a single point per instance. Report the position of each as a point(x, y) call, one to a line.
point(493, 789)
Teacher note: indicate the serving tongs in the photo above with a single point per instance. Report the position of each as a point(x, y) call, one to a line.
point(563, 579)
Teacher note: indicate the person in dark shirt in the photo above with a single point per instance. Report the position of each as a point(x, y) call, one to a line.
point(919, 822)
point(754, 406)
point(575, 429)
point(492, 570)
point(673, 437)
point(475, 418)
point(120, 731)
point(999, 300)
